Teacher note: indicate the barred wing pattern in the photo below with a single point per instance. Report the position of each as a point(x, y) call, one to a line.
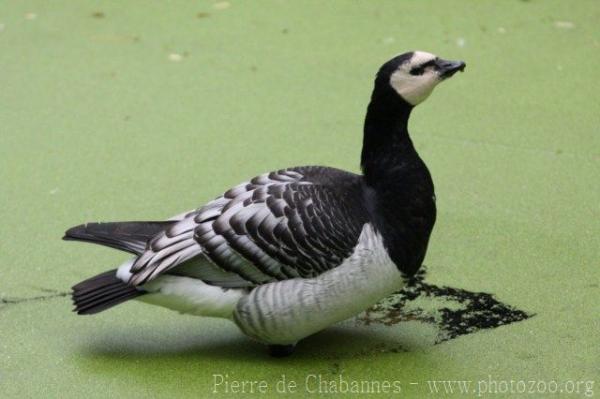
point(296, 222)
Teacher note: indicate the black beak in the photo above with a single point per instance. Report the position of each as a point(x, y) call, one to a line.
point(448, 68)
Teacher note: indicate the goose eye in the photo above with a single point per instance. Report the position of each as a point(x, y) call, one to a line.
point(417, 71)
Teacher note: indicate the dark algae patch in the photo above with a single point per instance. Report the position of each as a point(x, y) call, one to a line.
point(454, 311)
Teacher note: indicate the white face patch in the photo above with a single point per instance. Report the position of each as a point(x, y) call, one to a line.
point(415, 88)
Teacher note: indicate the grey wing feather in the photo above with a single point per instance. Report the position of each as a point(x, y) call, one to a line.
point(291, 223)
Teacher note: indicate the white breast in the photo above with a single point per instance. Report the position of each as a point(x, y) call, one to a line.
point(284, 312)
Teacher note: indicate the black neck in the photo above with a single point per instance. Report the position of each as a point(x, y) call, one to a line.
point(398, 187)
point(386, 143)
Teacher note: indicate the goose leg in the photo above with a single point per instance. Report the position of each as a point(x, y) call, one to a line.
point(281, 350)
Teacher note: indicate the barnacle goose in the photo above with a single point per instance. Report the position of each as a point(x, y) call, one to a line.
point(290, 252)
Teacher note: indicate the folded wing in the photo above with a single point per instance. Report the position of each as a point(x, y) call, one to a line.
point(297, 222)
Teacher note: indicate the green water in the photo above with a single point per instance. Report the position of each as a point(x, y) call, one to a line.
point(114, 111)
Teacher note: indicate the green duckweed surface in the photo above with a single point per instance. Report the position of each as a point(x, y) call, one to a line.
point(141, 110)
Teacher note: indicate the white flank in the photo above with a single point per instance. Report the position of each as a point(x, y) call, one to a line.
point(287, 311)
point(191, 296)
point(186, 294)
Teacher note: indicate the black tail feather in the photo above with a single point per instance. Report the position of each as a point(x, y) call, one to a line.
point(102, 292)
point(126, 236)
